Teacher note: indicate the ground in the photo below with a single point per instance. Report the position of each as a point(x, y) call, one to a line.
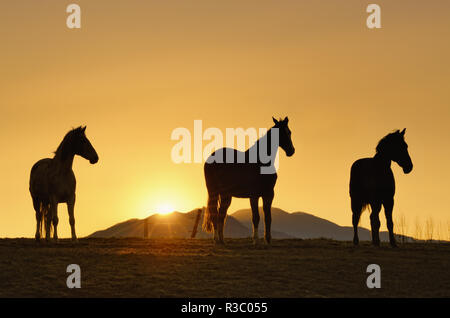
point(196, 268)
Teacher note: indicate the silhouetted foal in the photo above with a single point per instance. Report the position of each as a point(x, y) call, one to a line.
point(372, 183)
point(52, 181)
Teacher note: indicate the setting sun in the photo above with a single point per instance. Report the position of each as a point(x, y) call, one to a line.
point(164, 208)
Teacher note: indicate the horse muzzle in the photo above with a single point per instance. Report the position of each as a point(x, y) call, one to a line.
point(407, 169)
point(93, 160)
point(291, 152)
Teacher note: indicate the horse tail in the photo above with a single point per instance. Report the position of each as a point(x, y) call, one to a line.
point(45, 215)
point(210, 213)
point(41, 215)
point(365, 206)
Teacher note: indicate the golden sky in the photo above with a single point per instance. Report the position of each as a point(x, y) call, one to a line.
point(136, 70)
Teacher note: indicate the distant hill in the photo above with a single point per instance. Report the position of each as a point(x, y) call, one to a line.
point(304, 225)
point(238, 225)
point(173, 225)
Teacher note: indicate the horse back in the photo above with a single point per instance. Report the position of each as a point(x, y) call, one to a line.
point(237, 179)
point(371, 181)
point(46, 179)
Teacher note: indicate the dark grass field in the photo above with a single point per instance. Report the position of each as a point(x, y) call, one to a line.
point(197, 268)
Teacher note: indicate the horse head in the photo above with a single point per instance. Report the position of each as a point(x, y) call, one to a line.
point(395, 147)
point(285, 140)
point(400, 154)
point(83, 147)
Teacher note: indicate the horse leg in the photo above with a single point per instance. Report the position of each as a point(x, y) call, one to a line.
point(267, 205)
point(224, 203)
point(375, 222)
point(48, 221)
point(356, 210)
point(70, 209)
point(255, 218)
point(37, 208)
point(213, 214)
point(388, 207)
point(54, 218)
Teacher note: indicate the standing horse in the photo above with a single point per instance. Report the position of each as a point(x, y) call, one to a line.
point(252, 176)
point(372, 183)
point(52, 181)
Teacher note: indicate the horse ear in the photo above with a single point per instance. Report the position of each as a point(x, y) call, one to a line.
point(275, 121)
point(403, 132)
point(83, 129)
point(286, 120)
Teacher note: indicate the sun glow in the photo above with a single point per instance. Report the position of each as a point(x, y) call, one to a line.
point(165, 208)
point(162, 199)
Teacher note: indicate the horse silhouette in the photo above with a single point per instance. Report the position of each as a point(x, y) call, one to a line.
point(372, 183)
point(52, 181)
point(253, 176)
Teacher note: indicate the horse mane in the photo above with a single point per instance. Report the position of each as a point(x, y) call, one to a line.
point(62, 148)
point(268, 137)
point(385, 141)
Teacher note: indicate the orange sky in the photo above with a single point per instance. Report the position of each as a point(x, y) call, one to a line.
point(138, 69)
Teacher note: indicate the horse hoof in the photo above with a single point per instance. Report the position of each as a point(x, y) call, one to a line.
point(219, 242)
point(377, 244)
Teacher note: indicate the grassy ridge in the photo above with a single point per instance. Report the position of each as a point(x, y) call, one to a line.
point(196, 268)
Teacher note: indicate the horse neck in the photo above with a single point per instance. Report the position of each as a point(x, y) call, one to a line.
point(383, 159)
point(64, 157)
point(264, 140)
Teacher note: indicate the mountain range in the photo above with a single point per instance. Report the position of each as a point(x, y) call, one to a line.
point(238, 225)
